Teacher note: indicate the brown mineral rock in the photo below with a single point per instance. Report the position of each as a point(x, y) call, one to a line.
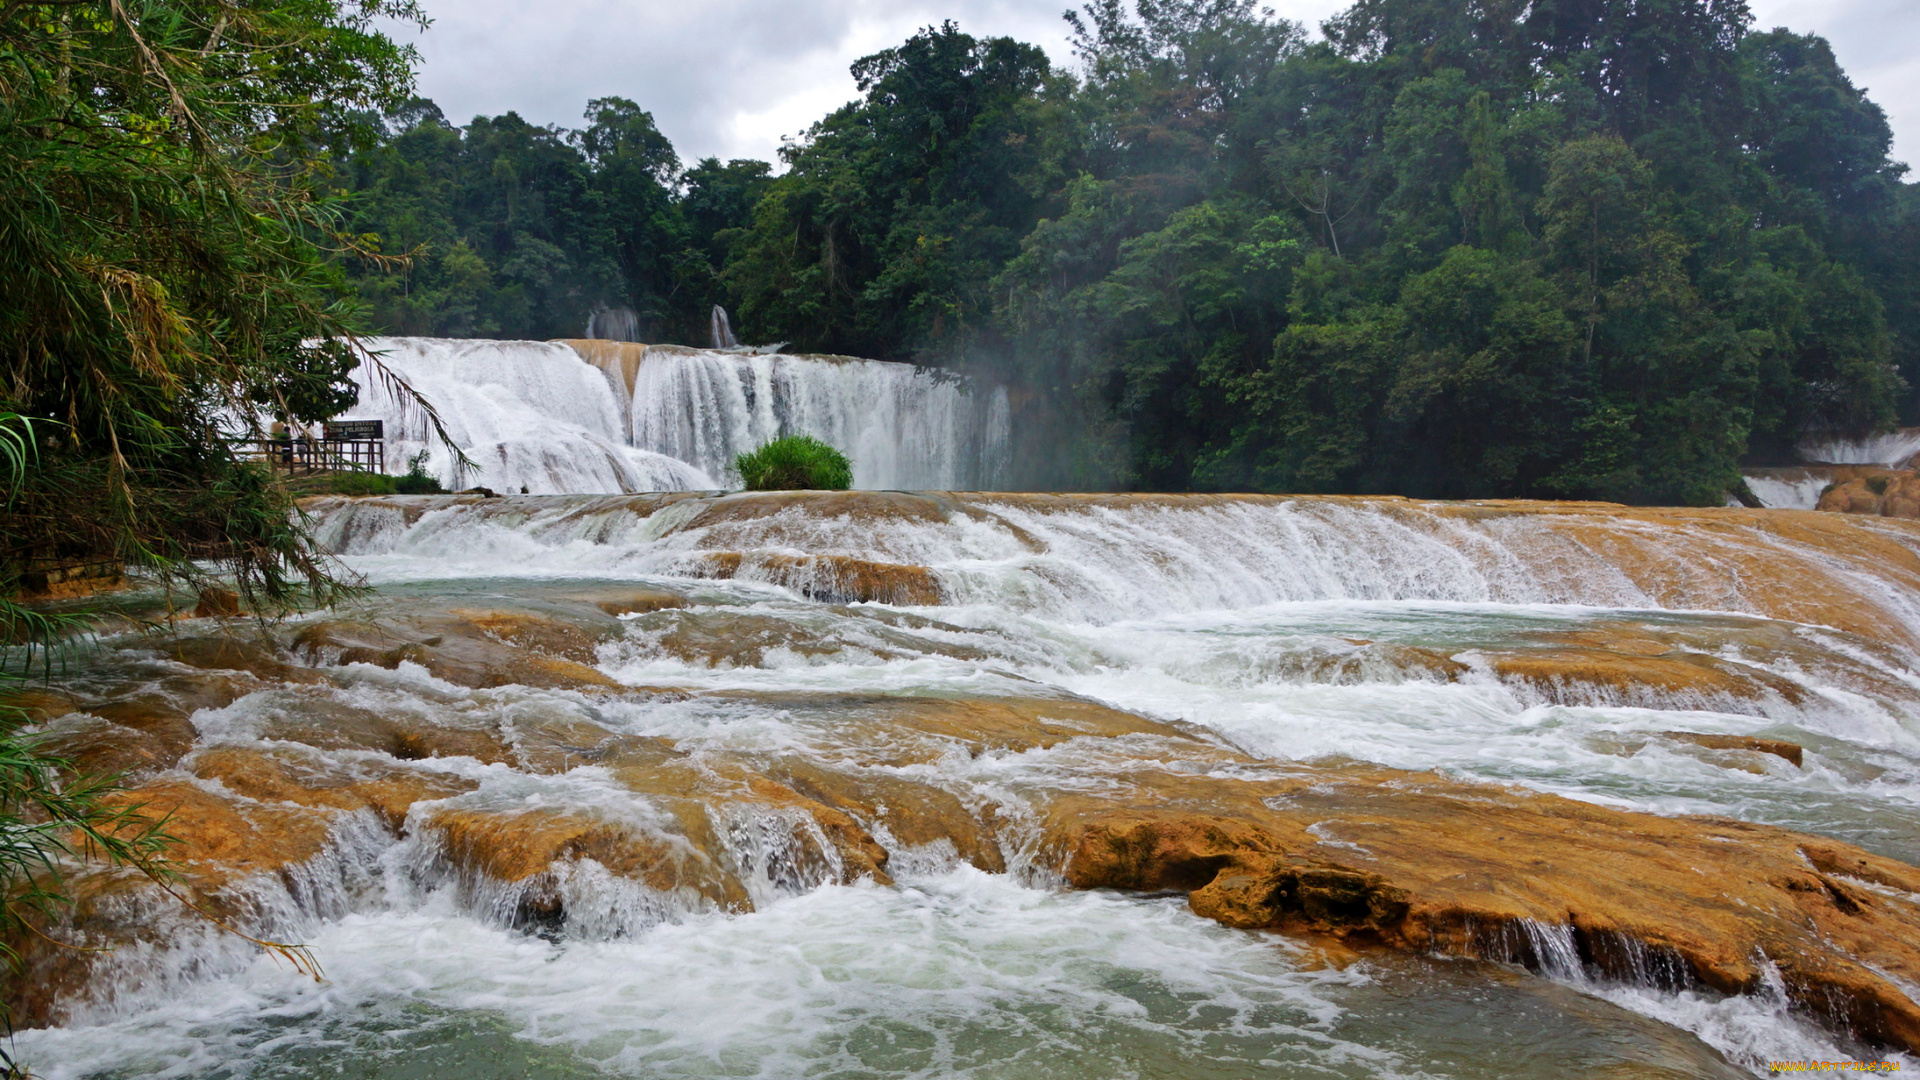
point(1418, 862)
point(1892, 493)
point(300, 777)
point(1779, 748)
point(479, 649)
point(330, 724)
point(216, 602)
point(833, 579)
point(1580, 676)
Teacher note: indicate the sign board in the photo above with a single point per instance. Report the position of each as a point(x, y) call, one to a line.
point(356, 430)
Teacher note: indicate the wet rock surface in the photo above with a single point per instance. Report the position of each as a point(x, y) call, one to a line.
point(1893, 493)
point(1418, 862)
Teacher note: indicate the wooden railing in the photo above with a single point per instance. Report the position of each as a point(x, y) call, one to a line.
point(300, 456)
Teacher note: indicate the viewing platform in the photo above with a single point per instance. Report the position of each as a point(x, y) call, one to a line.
point(344, 446)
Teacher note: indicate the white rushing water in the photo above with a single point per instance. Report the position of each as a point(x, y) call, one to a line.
point(1789, 489)
point(1893, 449)
point(1800, 487)
point(540, 416)
point(1293, 630)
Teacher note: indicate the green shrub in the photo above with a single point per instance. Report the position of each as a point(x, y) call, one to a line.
point(416, 480)
point(361, 483)
point(795, 463)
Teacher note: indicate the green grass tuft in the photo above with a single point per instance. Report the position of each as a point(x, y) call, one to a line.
point(360, 483)
point(795, 463)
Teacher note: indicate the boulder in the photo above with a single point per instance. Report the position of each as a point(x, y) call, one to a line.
point(1892, 493)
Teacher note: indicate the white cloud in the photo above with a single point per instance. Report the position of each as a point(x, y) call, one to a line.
point(1874, 41)
point(721, 77)
point(729, 77)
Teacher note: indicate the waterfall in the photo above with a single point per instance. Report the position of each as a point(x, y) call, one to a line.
point(614, 324)
point(722, 330)
point(1789, 488)
point(1895, 449)
point(527, 414)
point(1830, 461)
point(902, 427)
point(592, 770)
point(602, 416)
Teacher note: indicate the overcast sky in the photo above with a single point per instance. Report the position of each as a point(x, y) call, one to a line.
point(728, 78)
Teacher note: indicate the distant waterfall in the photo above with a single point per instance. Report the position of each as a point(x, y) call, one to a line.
point(721, 330)
point(1895, 449)
point(1830, 461)
point(608, 416)
point(903, 427)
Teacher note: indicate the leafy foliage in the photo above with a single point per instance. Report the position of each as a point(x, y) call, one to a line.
point(416, 480)
point(361, 483)
point(165, 265)
point(519, 231)
point(794, 463)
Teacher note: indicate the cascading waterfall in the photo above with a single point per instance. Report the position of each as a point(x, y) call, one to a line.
point(529, 415)
point(1893, 449)
point(903, 427)
point(1830, 461)
point(602, 416)
point(1106, 559)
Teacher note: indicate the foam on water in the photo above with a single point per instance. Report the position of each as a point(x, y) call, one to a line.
point(954, 973)
point(1096, 562)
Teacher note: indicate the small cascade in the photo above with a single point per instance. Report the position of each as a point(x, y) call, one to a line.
point(1108, 559)
point(1831, 461)
point(1893, 450)
point(614, 324)
point(610, 416)
point(722, 330)
point(1791, 488)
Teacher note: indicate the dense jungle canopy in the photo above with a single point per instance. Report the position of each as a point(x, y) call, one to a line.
point(1563, 248)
